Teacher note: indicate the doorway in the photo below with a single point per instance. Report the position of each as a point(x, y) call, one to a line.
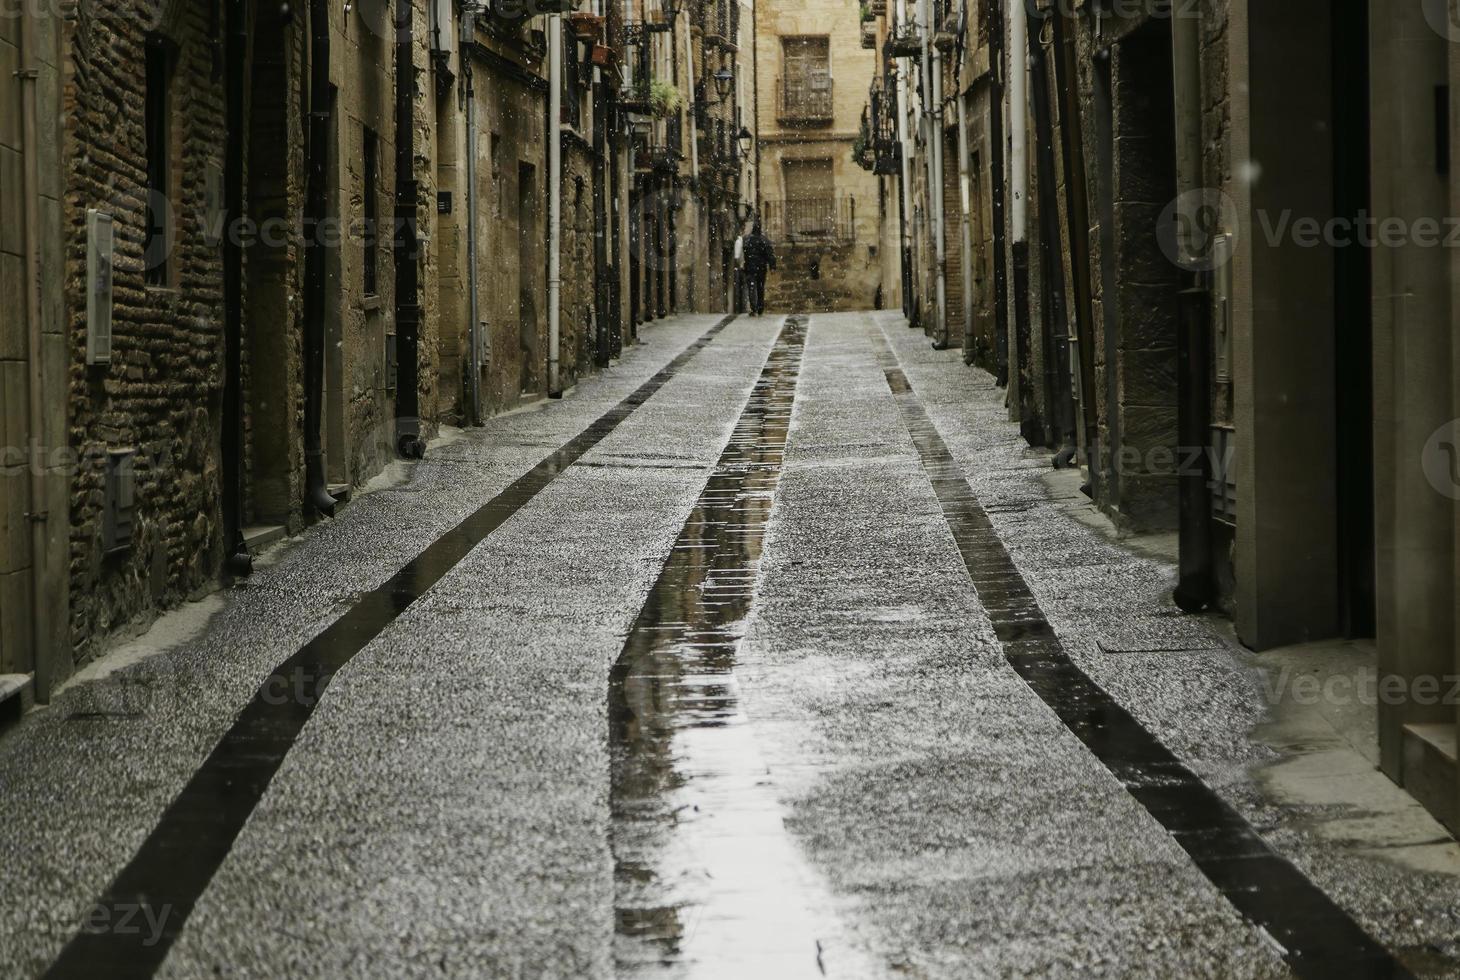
point(527, 266)
point(269, 271)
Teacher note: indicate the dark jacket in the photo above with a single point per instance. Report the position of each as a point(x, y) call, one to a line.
point(759, 255)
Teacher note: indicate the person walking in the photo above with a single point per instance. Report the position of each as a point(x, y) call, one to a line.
point(738, 305)
point(760, 257)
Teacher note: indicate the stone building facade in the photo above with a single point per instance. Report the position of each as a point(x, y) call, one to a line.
point(229, 344)
point(821, 210)
point(1229, 309)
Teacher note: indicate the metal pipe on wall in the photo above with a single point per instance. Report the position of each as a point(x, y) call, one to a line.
point(904, 68)
point(964, 191)
point(694, 155)
point(1021, 401)
point(998, 149)
point(555, 197)
point(940, 240)
point(927, 127)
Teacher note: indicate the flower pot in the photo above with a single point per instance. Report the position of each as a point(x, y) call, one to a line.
point(602, 56)
point(586, 26)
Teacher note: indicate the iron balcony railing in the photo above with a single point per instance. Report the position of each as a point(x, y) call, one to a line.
point(885, 147)
point(804, 100)
point(824, 218)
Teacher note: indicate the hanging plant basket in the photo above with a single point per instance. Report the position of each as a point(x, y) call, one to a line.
point(602, 56)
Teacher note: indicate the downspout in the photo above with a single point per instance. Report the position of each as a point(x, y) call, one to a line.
point(238, 561)
point(965, 226)
point(1194, 589)
point(406, 244)
point(1021, 401)
point(755, 87)
point(997, 199)
point(694, 157)
point(602, 223)
point(38, 516)
point(927, 129)
point(904, 67)
point(474, 328)
point(940, 217)
point(555, 198)
point(316, 492)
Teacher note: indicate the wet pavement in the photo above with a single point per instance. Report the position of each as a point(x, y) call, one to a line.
point(765, 653)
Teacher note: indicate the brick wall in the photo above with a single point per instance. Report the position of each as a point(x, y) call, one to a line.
point(161, 393)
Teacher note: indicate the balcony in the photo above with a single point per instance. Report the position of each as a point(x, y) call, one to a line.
point(828, 218)
point(804, 100)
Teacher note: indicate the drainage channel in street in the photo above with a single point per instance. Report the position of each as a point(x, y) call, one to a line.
point(197, 830)
point(1318, 939)
point(707, 879)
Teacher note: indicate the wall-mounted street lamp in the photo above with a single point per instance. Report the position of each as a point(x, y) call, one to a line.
point(745, 140)
point(724, 82)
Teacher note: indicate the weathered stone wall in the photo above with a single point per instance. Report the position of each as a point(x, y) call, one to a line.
point(512, 255)
point(161, 393)
point(853, 270)
point(823, 277)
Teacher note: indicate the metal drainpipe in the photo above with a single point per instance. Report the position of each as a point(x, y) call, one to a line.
point(1019, 213)
point(997, 199)
point(965, 226)
point(474, 328)
point(1194, 590)
point(940, 217)
point(38, 516)
point(694, 158)
point(966, 229)
point(904, 67)
point(555, 197)
point(601, 222)
point(927, 127)
point(315, 206)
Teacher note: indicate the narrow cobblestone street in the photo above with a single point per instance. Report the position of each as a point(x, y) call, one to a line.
point(734, 662)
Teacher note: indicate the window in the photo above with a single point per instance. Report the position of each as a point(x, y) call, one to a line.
point(810, 197)
point(157, 232)
point(806, 85)
point(371, 229)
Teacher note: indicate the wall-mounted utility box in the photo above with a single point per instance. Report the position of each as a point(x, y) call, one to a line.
point(117, 524)
point(99, 250)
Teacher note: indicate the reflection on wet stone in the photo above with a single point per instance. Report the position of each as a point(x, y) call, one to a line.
point(676, 728)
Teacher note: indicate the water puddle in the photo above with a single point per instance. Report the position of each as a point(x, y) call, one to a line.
point(174, 865)
point(708, 882)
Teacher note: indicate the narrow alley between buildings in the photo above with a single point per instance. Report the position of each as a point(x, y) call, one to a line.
point(772, 650)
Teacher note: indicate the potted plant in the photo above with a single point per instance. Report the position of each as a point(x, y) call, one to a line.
point(664, 98)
